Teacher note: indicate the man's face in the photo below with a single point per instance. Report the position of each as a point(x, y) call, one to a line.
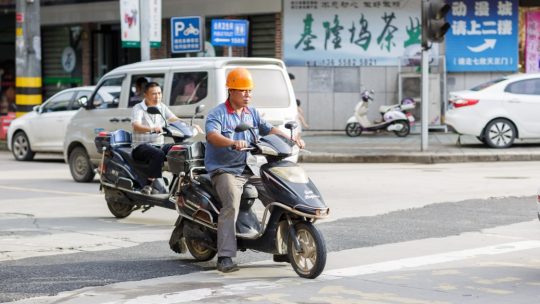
point(153, 95)
point(239, 98)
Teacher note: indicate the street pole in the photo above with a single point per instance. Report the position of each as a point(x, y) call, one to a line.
point(425, 99)
point(144, 6)
point(27, 56)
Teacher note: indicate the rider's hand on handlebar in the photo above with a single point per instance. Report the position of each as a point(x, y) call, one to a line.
point(239, 145)
point(300, 142)
point(157, 129)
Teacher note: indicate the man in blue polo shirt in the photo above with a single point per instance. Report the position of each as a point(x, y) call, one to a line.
point(225, 160)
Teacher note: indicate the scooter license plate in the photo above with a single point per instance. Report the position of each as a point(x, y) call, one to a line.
point(410, 117)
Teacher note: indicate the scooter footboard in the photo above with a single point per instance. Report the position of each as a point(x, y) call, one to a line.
point(267, 241)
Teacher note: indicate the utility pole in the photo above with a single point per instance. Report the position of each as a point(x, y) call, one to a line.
point(145, 29)
point(28, 56)
point(434, 27)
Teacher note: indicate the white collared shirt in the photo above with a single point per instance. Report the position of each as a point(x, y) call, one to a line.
point(140, 115)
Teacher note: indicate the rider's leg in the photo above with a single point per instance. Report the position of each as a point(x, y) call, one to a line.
point(229, 189)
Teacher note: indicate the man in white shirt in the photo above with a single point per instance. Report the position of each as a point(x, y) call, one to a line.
point(148, 142)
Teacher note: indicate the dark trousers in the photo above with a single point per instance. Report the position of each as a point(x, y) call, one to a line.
point(153, 155)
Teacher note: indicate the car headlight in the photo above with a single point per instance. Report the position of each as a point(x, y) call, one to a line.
point(291, 174)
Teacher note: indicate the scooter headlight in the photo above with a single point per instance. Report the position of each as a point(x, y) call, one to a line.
point(267, 150)
point(291, 174)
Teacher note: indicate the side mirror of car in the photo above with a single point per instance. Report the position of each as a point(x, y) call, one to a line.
point(82, 101)
point(37, 109)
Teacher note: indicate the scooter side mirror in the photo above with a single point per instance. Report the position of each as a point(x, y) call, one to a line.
point(242, 127)
point(153, 110)
point(156, 111)
point(199, 109)
point(245, 127)
point(291, 125)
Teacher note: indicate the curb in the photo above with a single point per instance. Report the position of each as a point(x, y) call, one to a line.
point(423, 158)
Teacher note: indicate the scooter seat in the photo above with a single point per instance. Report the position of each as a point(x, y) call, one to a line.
point(125, 152)
point(384, 109)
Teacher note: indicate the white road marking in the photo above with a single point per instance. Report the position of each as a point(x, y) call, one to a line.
point(239, 288)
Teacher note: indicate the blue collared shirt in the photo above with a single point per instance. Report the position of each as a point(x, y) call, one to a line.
point(224, 119)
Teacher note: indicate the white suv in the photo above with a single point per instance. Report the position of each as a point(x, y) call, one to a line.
point(186, 83)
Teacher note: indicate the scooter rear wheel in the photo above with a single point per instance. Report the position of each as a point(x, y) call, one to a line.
point(353, 129)
point(118, 209)
point(199, 251)
point(310, 261)
point(405, 128)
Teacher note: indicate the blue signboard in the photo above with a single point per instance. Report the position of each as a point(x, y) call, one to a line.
point(229, 32)
point(186, 34)
point(483, 36)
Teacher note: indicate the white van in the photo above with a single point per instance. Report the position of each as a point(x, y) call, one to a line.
point(186, 83)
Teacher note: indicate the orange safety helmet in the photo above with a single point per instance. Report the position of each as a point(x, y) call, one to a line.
point(239, 79)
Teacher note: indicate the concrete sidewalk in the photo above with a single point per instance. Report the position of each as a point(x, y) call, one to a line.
point(336, 147)
point(388, 148)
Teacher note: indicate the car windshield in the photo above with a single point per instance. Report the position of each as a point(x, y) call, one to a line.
point(488, 84)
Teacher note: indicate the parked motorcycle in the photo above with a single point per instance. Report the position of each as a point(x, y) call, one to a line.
point(395, 118)
point(122, 177)
point(286, 228)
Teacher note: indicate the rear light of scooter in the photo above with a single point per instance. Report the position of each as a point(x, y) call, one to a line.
point(464, 102)
point(177, 148)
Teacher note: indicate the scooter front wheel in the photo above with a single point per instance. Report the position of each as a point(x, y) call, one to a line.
point(353, 129)
point(405, 128)
point(310, 260)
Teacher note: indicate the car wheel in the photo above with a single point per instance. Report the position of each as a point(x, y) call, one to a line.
point(80, 166)
point(21, 147)
point(500, 133)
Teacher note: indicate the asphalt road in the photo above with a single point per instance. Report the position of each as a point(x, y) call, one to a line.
point(57, 235)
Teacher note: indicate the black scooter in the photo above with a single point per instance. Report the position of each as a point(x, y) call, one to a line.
point(122, 177)
point(286, 229)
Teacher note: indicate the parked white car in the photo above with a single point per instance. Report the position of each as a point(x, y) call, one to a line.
point(538, 203)
point(43, 129)
point(499, 111)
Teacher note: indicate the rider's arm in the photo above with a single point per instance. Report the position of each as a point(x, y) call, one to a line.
point(140, 128)
point(220, 141)
point(136, 121)
point(299, 141)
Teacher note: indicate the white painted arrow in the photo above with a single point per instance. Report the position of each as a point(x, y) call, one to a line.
point(488, 43)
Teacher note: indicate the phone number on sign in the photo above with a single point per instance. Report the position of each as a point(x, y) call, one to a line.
point(349, 62)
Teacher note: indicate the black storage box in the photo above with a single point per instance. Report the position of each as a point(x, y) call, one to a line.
point(181, 158)
point(103, 140)
point(118, 138)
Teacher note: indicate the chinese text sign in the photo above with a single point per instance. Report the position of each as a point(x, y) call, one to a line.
point(483, 36)
point(351, 32)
